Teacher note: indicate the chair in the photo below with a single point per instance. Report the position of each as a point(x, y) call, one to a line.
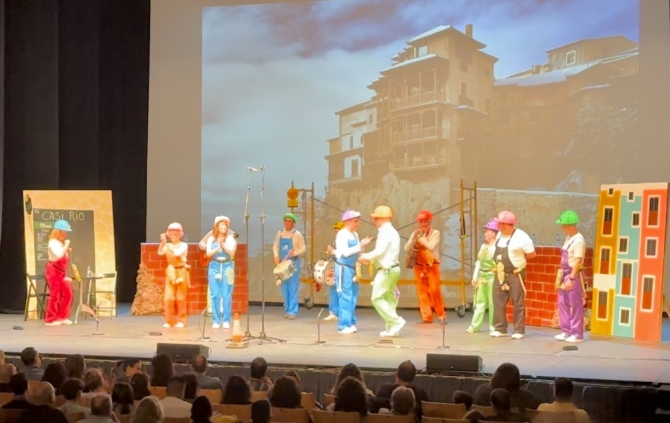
point(5, 398)
point(333, 417)
point(444, 410)
point(32, 384)
point(258, 395)
point(290, 415)
point(214, 395)
point(92, 291)
point(486, 410)
point(33, 292)
point(158, 391)
point(551, 417)
point(242, 412)
point(75, 417)
point(443, 420)
point(124, 418)
point(390, 418)
point(10, 416)
point(177, 420)
point(328, 399)
point(307, 401)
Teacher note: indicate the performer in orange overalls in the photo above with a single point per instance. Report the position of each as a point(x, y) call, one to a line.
point(177, 278)
point(426, 242)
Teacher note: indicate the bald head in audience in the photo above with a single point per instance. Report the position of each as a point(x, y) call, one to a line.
point(7, 370)
point(44, 394)
point(101, 405)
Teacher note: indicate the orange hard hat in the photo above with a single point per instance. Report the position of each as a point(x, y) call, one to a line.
point(424, 215)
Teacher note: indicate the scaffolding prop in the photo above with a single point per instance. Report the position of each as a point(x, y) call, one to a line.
point(302, 203)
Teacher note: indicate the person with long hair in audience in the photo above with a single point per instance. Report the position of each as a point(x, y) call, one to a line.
point(123, 398)
point(55, 374)
point(502, 410)
point(192, 388)
point(140, 382)
point(221, 248)
point(236, 392)
point(60, 285)
point(261, 411)
point(351, 397)
point(149, 410)
point(285, 394)
point(506, 377)
point(75, 365)
point(162, 370)
point(201, 411)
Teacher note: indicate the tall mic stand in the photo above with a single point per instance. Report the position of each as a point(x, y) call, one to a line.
point(263, 336)
point(247, 332)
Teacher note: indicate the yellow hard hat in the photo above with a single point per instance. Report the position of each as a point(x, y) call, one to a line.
point(383, 212)
point(338, 225)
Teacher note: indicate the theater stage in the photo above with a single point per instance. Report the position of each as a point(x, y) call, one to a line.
point(600, 358)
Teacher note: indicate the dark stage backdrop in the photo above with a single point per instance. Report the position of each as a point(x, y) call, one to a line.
point(76, 84)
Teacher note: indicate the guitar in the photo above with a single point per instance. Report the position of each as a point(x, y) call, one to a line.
point(204, 260)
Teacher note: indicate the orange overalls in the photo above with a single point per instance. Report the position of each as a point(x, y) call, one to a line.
point(177, 282)
point(428, 290)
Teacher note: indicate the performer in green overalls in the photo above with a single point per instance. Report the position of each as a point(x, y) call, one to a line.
point(483, 277)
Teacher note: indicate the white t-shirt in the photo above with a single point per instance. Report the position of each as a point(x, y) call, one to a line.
point(55, 249)
point(576, 247)
point(519, 245)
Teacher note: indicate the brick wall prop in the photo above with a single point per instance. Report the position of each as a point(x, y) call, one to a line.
point(541, 305)
point(151, 274)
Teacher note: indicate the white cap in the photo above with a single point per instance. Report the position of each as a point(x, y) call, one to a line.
point(221, 219)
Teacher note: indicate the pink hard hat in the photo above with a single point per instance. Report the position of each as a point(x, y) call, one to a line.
point(175, 227)
point(506, 217)
point(492, 225)
point(350, 214)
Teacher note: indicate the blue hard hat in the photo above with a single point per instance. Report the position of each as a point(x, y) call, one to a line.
point(62, 225)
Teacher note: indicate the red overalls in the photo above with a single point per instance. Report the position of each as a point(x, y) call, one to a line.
point(60, 290)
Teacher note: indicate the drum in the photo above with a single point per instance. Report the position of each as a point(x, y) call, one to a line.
point(324, 272)
point(284, 270)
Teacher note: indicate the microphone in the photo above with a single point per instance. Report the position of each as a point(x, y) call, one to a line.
point(253, 169)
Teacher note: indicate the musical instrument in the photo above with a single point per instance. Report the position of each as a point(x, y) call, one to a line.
point(283, 271)
point(204, 260)
point(410, 258)
point(324, 272)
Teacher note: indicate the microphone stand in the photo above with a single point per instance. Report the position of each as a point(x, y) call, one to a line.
point(247, 332)
point(263, 335)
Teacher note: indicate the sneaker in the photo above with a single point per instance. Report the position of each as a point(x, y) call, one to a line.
point(331, 317)
point(574, 339)
point(53, 324)
point(561, 337)
point(179, 325)
point(166, 325)
point(470, 330)
point(348, 330)
point(395, 330)
point(498, 334)
point(66, 322)
point(492, 329)
point(386, 334)
point(216, 326)
point(518, 336)
point(226, 325)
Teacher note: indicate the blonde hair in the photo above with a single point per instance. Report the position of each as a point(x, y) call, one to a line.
point(216, 233)
point(149, 410)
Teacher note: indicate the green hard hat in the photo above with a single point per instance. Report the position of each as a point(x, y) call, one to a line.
point(568, 217)
point(290, 216)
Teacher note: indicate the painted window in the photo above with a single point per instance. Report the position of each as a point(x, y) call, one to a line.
point(631, 196)
point(626, 277)
point(623, 244)
point(652, 216)
point(354, 168)
point(602, 305)
point(421, 51)
point(571, 58)
point(650, 250)
point(636, 219)
point(608, 214)
point(647, 293)
point(624, 316)
point(604, 261)
point(610, 191)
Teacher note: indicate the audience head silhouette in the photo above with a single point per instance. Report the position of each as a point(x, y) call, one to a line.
point(101, 405)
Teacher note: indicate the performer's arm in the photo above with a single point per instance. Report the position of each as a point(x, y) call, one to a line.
point(211, 250)
point(431, 242)
point(410, 241)
point(342, 248)
point(57, 249)
point(382, 244)
point(275, 246)
point(478, 265)
point(299, 247)
point(529, 248)
point(578, 251)
point(162, 248)
point(230, 245)
point(204, 242)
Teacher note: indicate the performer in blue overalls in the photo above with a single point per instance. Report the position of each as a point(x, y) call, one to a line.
point(290, 245)
point(347, 249)
point(221, 247)
point(333, 300)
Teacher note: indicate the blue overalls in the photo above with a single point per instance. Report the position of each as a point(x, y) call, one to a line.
point(221, 277)
point(334, 300)
point(291, 286)
point(345, 271)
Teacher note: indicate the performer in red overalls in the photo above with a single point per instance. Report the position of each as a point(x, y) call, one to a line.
point(60, 286)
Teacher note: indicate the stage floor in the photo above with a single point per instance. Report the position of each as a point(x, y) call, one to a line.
point(538, 355)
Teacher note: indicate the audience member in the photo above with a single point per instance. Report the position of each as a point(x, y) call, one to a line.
point(174, 404)
point(502, 409)
point(404, 376)
point(140, 384)
point(351, 397)
point(462, 397)
point(93, 383)
point(236, 392)
point(507, 377)
point(563, 389)
point(32, 364)
point(294, 375)
point(71, 390)
point(260, 411)
point(55, 374)
point(201, 411)
point(19, 386)
point(258, 381)
point(7, 370)
point(191, 390)
point(285, 394)
point(75, 366)
point(403, 402)
point(101, 410)
point(149, 410)
point(2, 357)
point(123, 400)
point(162, 370)
point(126, 369)
point(44, 410)
point(349, 370)
point(199, 365)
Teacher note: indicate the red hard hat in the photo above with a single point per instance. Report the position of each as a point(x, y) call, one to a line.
point(424, 215)
point(506, 217)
